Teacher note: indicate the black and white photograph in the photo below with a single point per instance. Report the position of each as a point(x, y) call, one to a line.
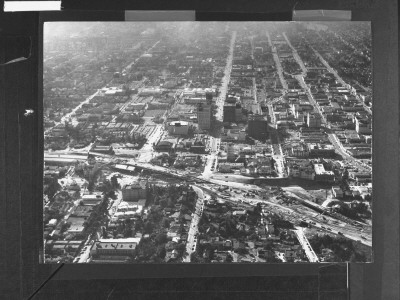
point(207, 142)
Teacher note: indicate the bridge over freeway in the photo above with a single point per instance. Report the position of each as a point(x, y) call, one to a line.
point(312, 257)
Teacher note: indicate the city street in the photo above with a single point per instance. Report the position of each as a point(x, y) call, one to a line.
point(277, 63)
point(215, 142)
point(281, 170)
point(225, 80)
point(68, 116)
point(193, 230)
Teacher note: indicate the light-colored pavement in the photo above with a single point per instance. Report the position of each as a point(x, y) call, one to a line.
point(349, 230)
point(193, 230)
point(225, 80)
point(214, 143)
point(296, 55)
point(312, 257)
point(277, 63)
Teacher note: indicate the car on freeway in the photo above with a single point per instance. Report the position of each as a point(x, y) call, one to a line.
point(340, 233)
point(363, 237)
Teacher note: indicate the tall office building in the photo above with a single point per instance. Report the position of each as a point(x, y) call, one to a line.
point(230, 113)
point(204, 116)
point(257, 127)
point(238, 112)
point(230, 149)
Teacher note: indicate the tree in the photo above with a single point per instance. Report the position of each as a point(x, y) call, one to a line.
point(52, 188)
point(128, 232)
point(163, 203)
point(161, 238)
point(146, 249)
point(91, 186)
point(105, 187)
point(161, 252)
point(181, 248)
point(148, 227)
point(114, 182)
point(242, 251)
point(138, 224)
point(166, 223)
point(104, 232)
point(65, 226)
point(253, 236)
point(196, 258)
point(62, 173)
point(258, 209)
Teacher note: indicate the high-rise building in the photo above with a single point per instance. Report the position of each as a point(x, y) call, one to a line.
point(238, 112)
point(230, 149)
point(204, 116)
point(258, 127)
point(230, 113)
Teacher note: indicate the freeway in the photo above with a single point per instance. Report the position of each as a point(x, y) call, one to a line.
point(349, 230)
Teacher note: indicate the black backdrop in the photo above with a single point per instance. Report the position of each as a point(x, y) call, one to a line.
point(21, 176)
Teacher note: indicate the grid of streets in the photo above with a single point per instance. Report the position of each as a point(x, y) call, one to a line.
point(207, 142)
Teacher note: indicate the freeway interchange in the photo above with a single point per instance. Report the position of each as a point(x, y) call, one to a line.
point(324, 223)
point(226, 187)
